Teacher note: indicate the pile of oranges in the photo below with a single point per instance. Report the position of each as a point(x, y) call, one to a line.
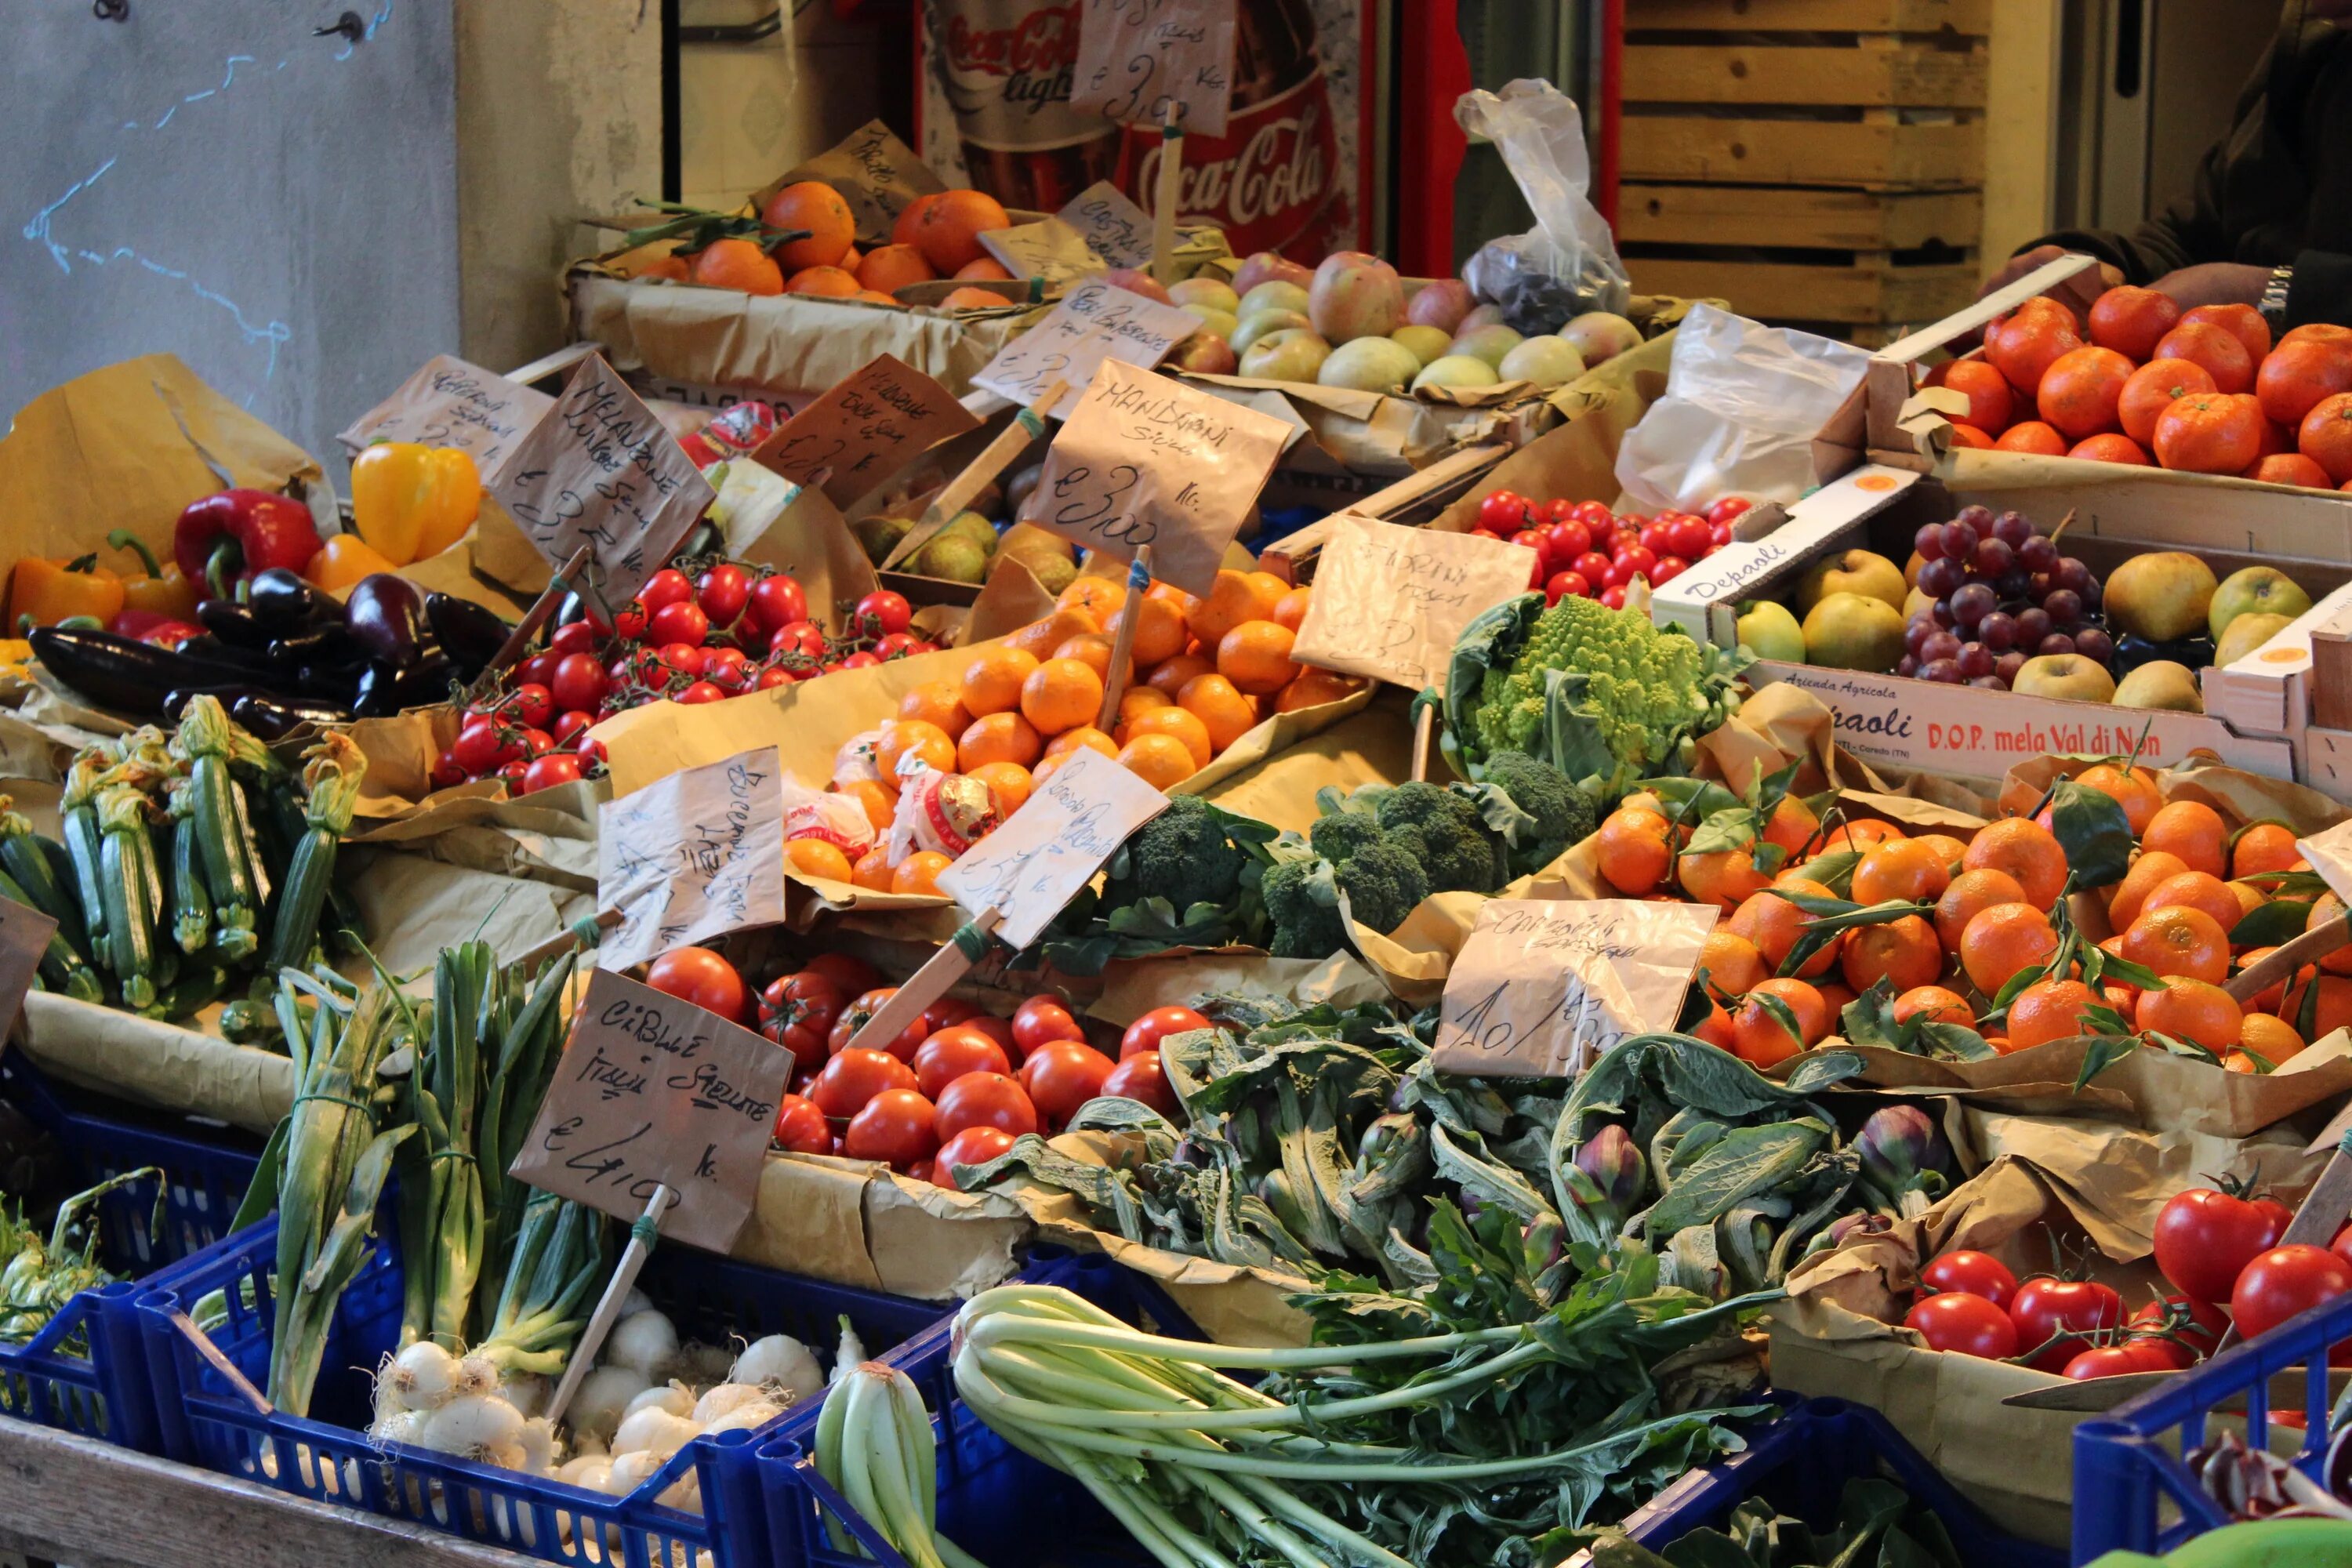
point(1985, 912)
point(1204, 671)
point(2139, 380)
point(936, 236)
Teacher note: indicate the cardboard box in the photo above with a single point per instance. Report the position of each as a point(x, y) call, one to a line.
point(1704, 601)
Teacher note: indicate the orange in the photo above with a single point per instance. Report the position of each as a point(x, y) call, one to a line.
point(1904, 952)
point(2033, 436)
point(1990, 402)
point(2195, 890)
point(2326, 436)
point(874, 297)
point(1716, 1028)
point(817, 858)
point(813, 206)
point(936, 702)
point(670, 267)
point(2191, 830)
point(987, 270)
point(1970, 894)
point(879, 801)
point(2334, 1010)
point(1061, 694)
point(2250, 897)
point(890, 267)
point(2273, 1039)
point(1179, 724)
point(1039, 638)
point(2130, 788)
point(926, 740)
point(2191, 1010)
point(1008, 784)
point(2291, 468)
point(1791, 825)
point(992, 681)
point(1937, 1003)
point(2296, 376)
point(2078, 391)
point(1171, 674)
point(1084, 735)
point(1948, 850)
point(736, 264)
point(2049, 1010)
point(2239, 1061)
point(1314, 688)
point(1235, 597)
point(2132, 893)
point(2153, 388)
point(998, 738)
point(1721, 878)
point(2267, 999)
point(1835, 996)
point(2210, 433)
point(1732, 964)
point(1912, 870)
point(1047, 764)
point(2131, 319)
point(1760, 1039)
point(919, 872)
point(2324, 909)
point(2176, 940)
point(1092, 650)
point(2003, 941)
point(2026, 851)
point(1632, 850)
point(872, 869)
point(1163, 761)
point(1860, 833)
point(1099, 597)
point(1291, 610)
point(951, 226)
point(1255, 657)
point(2216, 348)
point(830, 281)
point(1136, 700)
point(1160, 631)
point(1216, 703)
point(969, 297)
point(1774, 924)
point(2243, 322)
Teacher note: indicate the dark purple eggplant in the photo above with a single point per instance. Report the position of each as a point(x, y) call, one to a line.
point(384, 690)
point(282, 602)
point(386, 615)
point(130, 675)
point(329, 642)
point(470, 634)
point(176, 701)
point(275, 717)
point(234, 624)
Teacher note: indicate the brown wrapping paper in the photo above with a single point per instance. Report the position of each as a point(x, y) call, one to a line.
point(42, 725)
point(2239, 796)
point(1132, 987)
point(152, 1063)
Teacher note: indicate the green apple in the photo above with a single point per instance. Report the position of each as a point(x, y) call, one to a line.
point(2161, 596)
point(1851, 572)
point(2245, 634)
point(2255, 590)
point(1768, 630)
point(2066, 675)
point(2161, 683)
point(1853, 631)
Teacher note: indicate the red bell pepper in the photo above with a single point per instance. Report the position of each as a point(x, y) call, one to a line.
point(222, 540)
point(148, 626)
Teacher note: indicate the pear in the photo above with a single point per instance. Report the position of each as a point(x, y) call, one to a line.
point(2161, 683)
point(971, 525)
point(1854, 631)
point(2245, 634)
point(1768, 631)
point(878, 535)
point(954, 556)
point(1851, 572)
point(2254, 590)
point(2161, 596)
point(2064, 675)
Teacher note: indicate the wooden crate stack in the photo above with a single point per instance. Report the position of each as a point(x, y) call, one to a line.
point(1817, 162)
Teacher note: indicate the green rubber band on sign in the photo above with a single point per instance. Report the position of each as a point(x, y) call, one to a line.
point(589, 930)
point(972, 941)
point(1028, 420)
point(2344, 1145)
point(644, 1229)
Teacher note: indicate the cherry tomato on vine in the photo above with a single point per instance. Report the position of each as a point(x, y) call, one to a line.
point(2202, 1330)
point(448, 771)
point(2111, 1360)
point(536, 670)
point(547, 771)
point(629, 623)
point(888, 611)
point(512, 772)
point(682, 622)
point(698, 975)
point(667, 586)
point(797, 637)
point(776, 600)
point(699, 691)
point(1503, 512)
point(2043, 1307)
point(570, 638)
point(578, 683)
point(722, 591)
point(2203, 1238)
point(481, 747)
point(1971, 1273)
point(1966, 1325)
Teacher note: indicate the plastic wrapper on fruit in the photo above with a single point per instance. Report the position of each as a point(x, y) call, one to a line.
point(1567, 264)
point(948, 813)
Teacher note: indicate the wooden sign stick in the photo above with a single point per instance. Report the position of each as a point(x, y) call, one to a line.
point(585, 932)
point(608, 1309)
point(1122, 648)
point(928, 984)
point(537, 616)
point(1028, 424)
point(1425, 730)
point(1163, 201)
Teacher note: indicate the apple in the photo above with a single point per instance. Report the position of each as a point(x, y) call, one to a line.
point(1276, 295)
point(2246, 634)
point(1427, 343)
point(1489, 342)
point(1253, 327)
point(1355, 295)
point(2163, 594)
point(1546, 361)
point(1481, 316)
point(1135, 280)
point(1851, 572)
point(1266, 266)
point(1205, 353)
point(1441, 304)
point(1853, 631)
point(1206, 292)
point(2068, 676)
point(2255, 590)
point(2161, 683)
point(1220, 322)
point(1768, 630)
point(1294, 353)
point(1370, 364)
point(1598, 335)
point(1457, 371)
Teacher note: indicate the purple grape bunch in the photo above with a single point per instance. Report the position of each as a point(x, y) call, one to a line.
point(2002, 595)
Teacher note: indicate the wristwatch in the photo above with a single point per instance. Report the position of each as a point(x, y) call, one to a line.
point(2273, 304)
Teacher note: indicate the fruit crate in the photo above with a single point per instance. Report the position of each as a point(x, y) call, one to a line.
point(327, 1457)
point(85, 1371)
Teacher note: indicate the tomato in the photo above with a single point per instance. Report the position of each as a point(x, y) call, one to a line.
point(2204, 1238)
point(2341, 1246)
point(529, 704)
point(1141, 1077)
point(482, 747)
point(570, 638)
point(512, 772)
point(1729, 507)
point(850, 976)
point(1658, 538)
point(590, 750)
point(2161, 1354)
point(949, 1010)
point(1614, 596)
point(859, 1012)
point(2043, 1307)
point(894, 1127)
point(2283, 1282)
point(2278, 1213)
point(535, 670)
point(801, 1127)
point(972, 1146)
point(1594, 514)
point(997, 1029)
point(2200, 1334)
point(775, 600)
point(547, 771)
point(799, 637)
point(860, 660)
point(808, 996)
point(985, 1100)
point(1688, 537)
point(1971, 1273)
point(1061, 1076)
point(854, 1077)
point(681, 622)
point(448, 771)
point(536, 743)
point(1501, 511)
point(700, 691)
point(895, 646)
point(945, 1056)
point(700, 976)
point(771, 676)
point(686, 658)
point(578, 683)
point(629, 623)
point(722, 591)
point(1964, 1325)
point(1041, 1019)
point(2110, 1361)
point(887, 612)
point(1593, 566)
point(1146, 1032)
point(570, 725)
point(1570, 540)
point(664, 587)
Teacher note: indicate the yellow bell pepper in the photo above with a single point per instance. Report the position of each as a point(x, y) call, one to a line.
point(16, 659)
point(164, 590)
point(342, 561)
point(410, 501)
point(45, 592)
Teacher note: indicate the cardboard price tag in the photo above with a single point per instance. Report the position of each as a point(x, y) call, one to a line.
point(1050, 251)
point(698, 854)
point(877, 175)
point(1112, 227)
point(1544, 985)
point(455, 405)
point(2330, 854)
point(599, 471)
point(25, 933)
point(1095, 324)
point(1148, 460)
point(1143, 61)
point(864, 429)
point(655, 1092)
point(1390, 601)
point(1035, 863)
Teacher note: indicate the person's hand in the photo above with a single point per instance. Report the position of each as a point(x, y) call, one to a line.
point(2214, 283)
point(2076, 293)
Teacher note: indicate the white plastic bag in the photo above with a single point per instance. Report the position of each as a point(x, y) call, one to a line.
point(1567, 264)
point(1742, 405)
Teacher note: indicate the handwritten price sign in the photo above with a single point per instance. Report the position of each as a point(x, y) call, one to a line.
point(1028, 868)
point(1094, 324)
point(698, 854)
point(1544, 985)
point(1113, 227)
point(1390, 601)
point(654, 1092)
point(599, 471)
point(455, 405)
point(1145, 60)
point(862, 431)
point(1147, 460)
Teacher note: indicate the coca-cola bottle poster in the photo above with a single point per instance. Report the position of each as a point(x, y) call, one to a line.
point(1290, 173)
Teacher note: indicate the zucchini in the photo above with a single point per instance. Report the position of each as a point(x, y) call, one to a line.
point(331, 772)
point(23, 855)
point(77, 810)
point(123, 873)
point(191, 906)
point(62, 969)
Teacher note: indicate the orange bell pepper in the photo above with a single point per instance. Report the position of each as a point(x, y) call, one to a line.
point(46, 593)
point(343, 560)
point(410, 501)
point(164, 590)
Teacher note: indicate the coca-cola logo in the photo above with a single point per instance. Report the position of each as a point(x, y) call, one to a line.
point(1047, 39)
point(1280, 167)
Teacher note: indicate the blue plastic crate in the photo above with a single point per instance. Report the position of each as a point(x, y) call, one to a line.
point(2127, 1462)
point(1801, 1462)
point(86, 1372)
point(994, 1501)
point(328, 1458)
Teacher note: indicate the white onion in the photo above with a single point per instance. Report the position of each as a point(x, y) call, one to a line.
point(744, 1417)
point(674, 1397)
point(646, 1341)
point(604, 1398)
point(526, 1391)
point(683, 1494)
point(716, 1401)
point(588, 1472)
point(704, 1364)
point(636, 1301)
point(848, 1356)
point(537, 1444)
point(513, 1456)
point(630, 1471)
point(654, 1432)
point(475, 1374)
point(420, 1377)
point(397, 1426)
point(780, 1362)
point(474, 1424)
point(589, 1446)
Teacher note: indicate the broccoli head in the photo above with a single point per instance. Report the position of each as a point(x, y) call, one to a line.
point(1563, 813)
point(1303, 925)
point(1339, 835)
point(1444, 832)
point(1384, 881)
point(1183, 856)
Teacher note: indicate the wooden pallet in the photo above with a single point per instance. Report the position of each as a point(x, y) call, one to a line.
point(1815, 218)
point(1879, 151)
point(1870, 290)
point(1969, 17)
point(1876, 71)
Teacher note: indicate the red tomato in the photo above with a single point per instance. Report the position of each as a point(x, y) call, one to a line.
point(721, 592)
point(808, 996)
point(985, 1100)
point(2110, 1361)
point(2200, 1334)
point(807, 1045)
point(895, 646)
point(1141, 1077)
point(1061, 1076)
point(547, 771)
point(2204, 1238)
point(1964, 1324)
point(1146, 1032)
point(894, 1127)
point(1614, 596)
point(686, 658)
point(1688, 536)
point(1658, 537)
point(573, 636)
point(1727, 509)
point(1720, 534)
point(1564, 586)
point(771, 678)
point(1670, 567)
point(855, 1017)
point(512, 772)
point(482, 747)
point(1501, 511)
point(798, 637)
point(1000, 1031)
point(701, 691)
point(2341, 1246)
point(801, 1127)
point(448, 771)
point(1536, 539)
point(1570, 540)
point(667, 586)
point(860, 660)
point(590, 750)
point(700, 976)
point(2283, 1281)
point(529, 704)
point(972, 1146)
point(776, 600)
point(681, 622)
point(570, 725)
point(2162, 1354)
point(945, 1056)
point(2043, 1307)
point(1971, 1273)
point(535, 670)
point(1593, 566)
point(850, 976)
point(854, 1077)
point(889, 612)
point(1640, 561)
point(536, 743)
point(1594, 514)
point(949, 1010)
point(629, 623)
point(727, 667)
point(1041, 1019)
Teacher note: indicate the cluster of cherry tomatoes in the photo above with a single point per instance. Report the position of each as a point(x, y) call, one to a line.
point(1585, 551)
point(955, 1087)
point(727, 630)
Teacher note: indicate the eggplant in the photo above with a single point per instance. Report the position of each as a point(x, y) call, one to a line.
point(234, 624)
point(130, 675)
point(328, 643)
point(470, 634)
point(273, 719)
point(282, 602)
point(386, 615)
point(176, 699)
point(250, 663)
point(383, 690)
